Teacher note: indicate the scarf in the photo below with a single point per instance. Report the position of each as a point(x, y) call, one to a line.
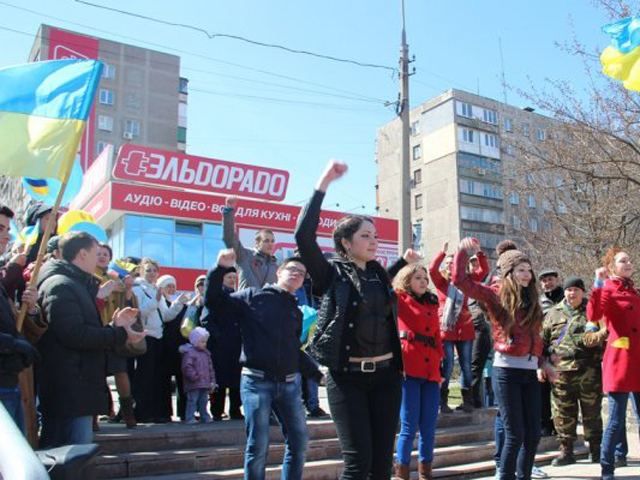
point(452, 308)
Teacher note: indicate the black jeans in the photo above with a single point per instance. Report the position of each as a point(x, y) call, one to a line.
point(479, 355)
point(150, 384)
point(518, 394)
point(366, 409)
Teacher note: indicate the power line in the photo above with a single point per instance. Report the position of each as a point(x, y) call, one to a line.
point(186, 52)
point(212, 36)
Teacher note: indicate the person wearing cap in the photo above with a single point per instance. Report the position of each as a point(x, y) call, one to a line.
point(578, 386)
point(38, 213)
point(516, 318)
point(225, 344)
point(615, 300)
point(150, 377)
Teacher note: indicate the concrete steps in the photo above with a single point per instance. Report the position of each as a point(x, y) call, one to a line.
point(464, 446)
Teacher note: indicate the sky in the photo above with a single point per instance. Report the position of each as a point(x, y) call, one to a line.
point(264, 106)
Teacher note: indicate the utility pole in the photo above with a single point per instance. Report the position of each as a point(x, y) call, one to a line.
point(406, 227)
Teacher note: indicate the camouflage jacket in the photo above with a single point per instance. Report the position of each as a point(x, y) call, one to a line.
point(563, 334)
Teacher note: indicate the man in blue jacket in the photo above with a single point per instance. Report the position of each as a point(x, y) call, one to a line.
point(270, 325)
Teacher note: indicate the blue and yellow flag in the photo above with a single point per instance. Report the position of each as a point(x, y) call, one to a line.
point(46, 190)
point(43, 110)
point(620, 59)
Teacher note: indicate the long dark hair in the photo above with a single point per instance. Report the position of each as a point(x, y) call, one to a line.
point(345, 229)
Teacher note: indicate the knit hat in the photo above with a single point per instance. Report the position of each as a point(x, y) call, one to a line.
point(509, 259)
point(504, 246)
point(165, 281)
point(574, 282)
point(52, 244)
point(196, 334)
point(200, 279)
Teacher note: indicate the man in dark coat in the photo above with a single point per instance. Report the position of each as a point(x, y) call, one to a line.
point(72, 377)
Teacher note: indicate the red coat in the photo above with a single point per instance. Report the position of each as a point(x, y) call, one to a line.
point(618, 302)
point(522, 340)
point(464, 326)
point(420, 360)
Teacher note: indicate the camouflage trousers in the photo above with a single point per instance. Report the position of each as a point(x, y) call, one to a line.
point(574, 392)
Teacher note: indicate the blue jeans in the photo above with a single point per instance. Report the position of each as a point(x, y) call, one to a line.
point(197, 402)
point(10, 398)
point(59, 431)
point(311, 389)
point(464, 359)
point(615, 431)
point(622, 448)
point(259, 397)
point(518, 394)
point(419, 410)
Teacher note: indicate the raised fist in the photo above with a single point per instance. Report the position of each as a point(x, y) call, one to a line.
point(227, 257)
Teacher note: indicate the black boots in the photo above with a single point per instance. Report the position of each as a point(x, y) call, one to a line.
point(566, 454)
point(444, 399)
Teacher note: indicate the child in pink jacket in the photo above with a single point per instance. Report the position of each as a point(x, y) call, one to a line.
point(197, 375)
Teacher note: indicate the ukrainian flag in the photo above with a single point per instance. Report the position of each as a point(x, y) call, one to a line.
point(43, 110)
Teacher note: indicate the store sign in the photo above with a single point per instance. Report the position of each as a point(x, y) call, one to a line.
point(208, 208)
point(63, 45)
point(175, 169)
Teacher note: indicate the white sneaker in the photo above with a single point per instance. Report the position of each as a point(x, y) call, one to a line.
point(538, 473)
point(497, 477)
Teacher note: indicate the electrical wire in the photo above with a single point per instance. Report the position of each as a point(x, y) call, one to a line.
point(212, 36)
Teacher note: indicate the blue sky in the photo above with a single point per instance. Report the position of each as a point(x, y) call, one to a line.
point(306, 110)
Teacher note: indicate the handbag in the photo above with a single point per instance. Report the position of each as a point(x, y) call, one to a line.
point(189, 321)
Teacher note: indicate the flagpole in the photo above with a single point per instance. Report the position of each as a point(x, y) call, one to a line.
point(25, 377)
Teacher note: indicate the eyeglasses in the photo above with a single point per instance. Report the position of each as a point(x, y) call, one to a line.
point(297, 270)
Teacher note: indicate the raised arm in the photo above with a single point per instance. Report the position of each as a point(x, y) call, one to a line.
point(214, 296)
point(463, 280)
point(483, 267)
point(317, 265)
point(595, 307)
point(229, 236)
point(434, 272)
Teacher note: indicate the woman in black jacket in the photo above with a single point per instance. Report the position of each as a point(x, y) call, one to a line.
point(356, 336)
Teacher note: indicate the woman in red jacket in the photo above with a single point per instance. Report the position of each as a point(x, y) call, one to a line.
point(516, 319)
point(456, 325)
point(615, 300)
point(419, 330)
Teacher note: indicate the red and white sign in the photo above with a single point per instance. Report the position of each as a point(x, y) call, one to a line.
point(63, 45)
point(175, 169)
point(208, 208)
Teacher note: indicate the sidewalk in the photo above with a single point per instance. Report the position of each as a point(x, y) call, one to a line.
point(590, 471)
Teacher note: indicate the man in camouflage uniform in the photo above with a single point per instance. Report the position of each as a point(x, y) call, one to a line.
point(576, 354)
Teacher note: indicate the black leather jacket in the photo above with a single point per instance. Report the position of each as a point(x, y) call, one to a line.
point(338, 283)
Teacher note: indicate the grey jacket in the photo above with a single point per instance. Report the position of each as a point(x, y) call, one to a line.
point(255, 269)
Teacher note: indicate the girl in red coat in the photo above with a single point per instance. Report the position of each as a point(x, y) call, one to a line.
point(456, 325)
point(419, 330)
point(615, 300)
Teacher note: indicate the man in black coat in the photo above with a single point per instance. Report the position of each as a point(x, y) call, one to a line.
point(72, 378)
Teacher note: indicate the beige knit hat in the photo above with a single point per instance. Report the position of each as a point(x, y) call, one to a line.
point(509, 259)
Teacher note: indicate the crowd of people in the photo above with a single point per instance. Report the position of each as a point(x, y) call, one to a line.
point(256, 331)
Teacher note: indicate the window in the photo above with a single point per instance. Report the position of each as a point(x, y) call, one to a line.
point(482, 189)
point(540, 134)
point(531, 201)
point(466, 110)
point(490, 140)
point(182, 135)
point(469, 160)
point(478, 214)
point(546, 205)
point(182, 114)
point(514, 198)
point(132, 127)
point(417, 177)
point(417, 152)
point(106, 96)
point(509, 149)
point(508, 125)
point(183, 86)
point(105, 122)
point(515, 221)
point(417, 201)
point(490, 116)
point(533, 224)
point(467, 135)
point(415, 128)
point(108, 70)
point(100, 146)
point(189, 228)
point(525, 129)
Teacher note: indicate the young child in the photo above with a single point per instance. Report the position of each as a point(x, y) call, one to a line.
point(198, 376)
